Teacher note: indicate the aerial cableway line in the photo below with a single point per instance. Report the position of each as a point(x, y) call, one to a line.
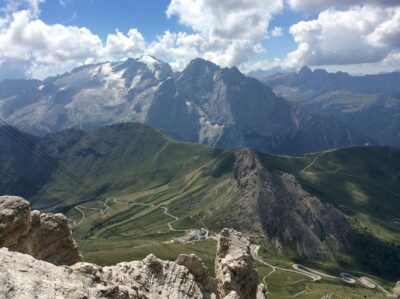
point(22, 140)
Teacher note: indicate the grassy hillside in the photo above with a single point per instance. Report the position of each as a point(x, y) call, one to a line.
point(364, 182)
point(150, 189)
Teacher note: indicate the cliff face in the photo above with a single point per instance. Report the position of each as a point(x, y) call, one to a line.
point(44, 236)
point(275, 205)
point(47, 237)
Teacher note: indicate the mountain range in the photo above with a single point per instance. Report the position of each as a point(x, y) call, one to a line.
point(204, 103)
point(370, 104)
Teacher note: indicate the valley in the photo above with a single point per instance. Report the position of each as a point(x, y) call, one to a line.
point(169, 250)
point(160, 189)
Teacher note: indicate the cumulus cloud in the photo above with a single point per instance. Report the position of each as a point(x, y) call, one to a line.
point(393, 59)
point(225, 32)
point(234, 19)
point(46, 48)
point(277, 31)
point(119, 45)
point(319, 5)
point(14, 69)
point(33, 40)
point(361, 34)
point(182, 47)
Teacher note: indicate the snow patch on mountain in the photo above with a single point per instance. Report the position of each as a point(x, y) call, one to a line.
point(209, 133)
point(136, 80)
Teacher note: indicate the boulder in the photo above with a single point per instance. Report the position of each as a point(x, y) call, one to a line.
point(396, 291)
point(45, 236)
point(15, 220)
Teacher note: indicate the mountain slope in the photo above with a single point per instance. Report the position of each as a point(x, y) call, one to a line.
point(148, 187)
point(204, 103)
point(370, 104)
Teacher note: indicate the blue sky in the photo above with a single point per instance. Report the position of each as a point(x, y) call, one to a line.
point(39, 38)
point(104, 16)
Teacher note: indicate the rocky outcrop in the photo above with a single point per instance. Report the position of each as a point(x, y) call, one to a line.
point(22, 276)
point(196, 266)
point(234, 266)
point(276, 207)
point(14, 220)
point(44, 236)
point(396, 291)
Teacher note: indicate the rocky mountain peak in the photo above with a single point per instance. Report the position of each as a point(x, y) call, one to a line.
point(272, 200)
point(198, 67)
point(305, 72)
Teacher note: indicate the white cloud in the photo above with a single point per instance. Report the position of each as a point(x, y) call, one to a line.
point(182, 47)
point(393, 59)
point(11, 6)
point(27, 38)
point(225, 32)
point(319, 5)
point(277, 31)
point(361, 34)
point(49, 48)
point(234, 19)
point(14, 69)
point(120, 46)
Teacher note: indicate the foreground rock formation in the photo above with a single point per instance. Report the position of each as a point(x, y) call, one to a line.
point(396, 291)
point(44, 236)
point(234, 266)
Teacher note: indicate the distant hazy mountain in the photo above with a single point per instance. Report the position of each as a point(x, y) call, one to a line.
point(260, 74)
point(370, 103)
point(204, 103)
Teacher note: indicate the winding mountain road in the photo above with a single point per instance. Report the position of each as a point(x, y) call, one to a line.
point(80, 209)
point(315, 275)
